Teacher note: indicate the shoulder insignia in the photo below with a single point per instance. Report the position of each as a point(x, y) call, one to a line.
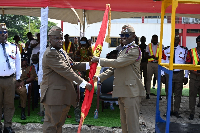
point(166, 47)
point(52, 48)
point(184, 47)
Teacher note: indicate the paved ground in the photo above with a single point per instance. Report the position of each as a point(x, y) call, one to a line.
point(148, 108)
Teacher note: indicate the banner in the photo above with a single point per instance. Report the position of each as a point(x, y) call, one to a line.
point(97, 51)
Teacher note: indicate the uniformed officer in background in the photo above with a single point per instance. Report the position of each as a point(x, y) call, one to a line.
point(57, 89)
point(28, 76)
point(10, 71)
point(180, 54)
point(193, 57)
point(152, 52)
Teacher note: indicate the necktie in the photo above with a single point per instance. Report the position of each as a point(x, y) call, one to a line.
point(7, 60)
point(174, 55)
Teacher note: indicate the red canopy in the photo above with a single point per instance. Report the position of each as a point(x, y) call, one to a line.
point(116, 5)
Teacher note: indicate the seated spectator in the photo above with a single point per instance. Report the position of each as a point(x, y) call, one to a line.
point(111, 55)
point(28, 75)
point(84, 53)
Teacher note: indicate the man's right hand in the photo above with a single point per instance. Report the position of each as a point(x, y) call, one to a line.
point(88, 86)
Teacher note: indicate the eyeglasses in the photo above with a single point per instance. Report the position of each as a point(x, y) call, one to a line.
point(1, 32)
point(124, 35)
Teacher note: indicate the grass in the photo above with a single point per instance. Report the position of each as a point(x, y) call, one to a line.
point(185, 92)
point(108, 118)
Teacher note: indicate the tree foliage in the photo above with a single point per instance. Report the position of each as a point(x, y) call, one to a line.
point(19, 25)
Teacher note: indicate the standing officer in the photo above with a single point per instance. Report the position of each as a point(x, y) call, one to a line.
point(57, 91)
point(180, 54)
point(10, 71)
point(127, 84)
point(28, 76)
point(193, 57)
point(152, 52)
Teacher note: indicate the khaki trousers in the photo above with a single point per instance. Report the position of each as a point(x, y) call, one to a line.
point(129, 114)
point(177, 87)
point(22, 92)
point(143, 68)
point(194, 86)
point(55, 116)
point(152, 68)
point(7, 95)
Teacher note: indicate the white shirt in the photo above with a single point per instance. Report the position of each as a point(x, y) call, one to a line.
point(35, 49)
point(15, 61)
point(180, 57)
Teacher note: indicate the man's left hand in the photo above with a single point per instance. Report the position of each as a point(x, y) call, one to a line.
point(95, 59)
point(185, 81)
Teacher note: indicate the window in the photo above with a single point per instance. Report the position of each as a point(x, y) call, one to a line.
point(115, 41)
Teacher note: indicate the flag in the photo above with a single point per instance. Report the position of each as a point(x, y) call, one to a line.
point(97, 51)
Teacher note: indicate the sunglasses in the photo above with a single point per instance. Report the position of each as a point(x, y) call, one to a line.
point(3, 32)
point(124, 35)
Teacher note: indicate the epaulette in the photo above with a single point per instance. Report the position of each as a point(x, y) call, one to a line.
point(166, 47)
point(52, 48)
point(184, 47)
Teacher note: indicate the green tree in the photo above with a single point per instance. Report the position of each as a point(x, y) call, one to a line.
point(19, 25)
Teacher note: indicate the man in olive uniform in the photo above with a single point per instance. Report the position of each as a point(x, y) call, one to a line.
point(127, 84)
point(193, 57)
point(28, 75)
point(10, 71)
point(57, 89)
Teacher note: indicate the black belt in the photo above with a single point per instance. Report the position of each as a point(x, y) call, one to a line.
point(175, 72)
point(5, 77)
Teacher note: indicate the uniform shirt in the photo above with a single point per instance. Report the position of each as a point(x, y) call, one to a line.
point(180, 57)
point(28, 72)
point(14, 58)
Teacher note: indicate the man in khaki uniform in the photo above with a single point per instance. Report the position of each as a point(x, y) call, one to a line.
point(193, 57)
point(152, 52)
point(10, 71)
point(57, 91)
point(127, 84)
point(28, 75)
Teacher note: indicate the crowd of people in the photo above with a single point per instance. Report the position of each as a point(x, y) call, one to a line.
point(66, 65)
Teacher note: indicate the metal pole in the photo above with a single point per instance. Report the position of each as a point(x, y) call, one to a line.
point(29, 23)
point(84, 22)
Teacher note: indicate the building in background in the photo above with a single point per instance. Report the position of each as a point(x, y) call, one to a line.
point(188, 29)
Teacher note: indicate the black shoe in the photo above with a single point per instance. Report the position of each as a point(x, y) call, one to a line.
point(147, 96)
point(160, 98)
point(23, 115)
point(8, 130)
point(191, 117)
point(198, 105)
point(177, 115)
point(0, 130)
point(171, 113)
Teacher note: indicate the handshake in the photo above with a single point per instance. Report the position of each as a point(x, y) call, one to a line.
point(95, 78)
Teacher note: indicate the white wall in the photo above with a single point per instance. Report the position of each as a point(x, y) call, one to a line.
point(141, 29)
point(191, 42)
